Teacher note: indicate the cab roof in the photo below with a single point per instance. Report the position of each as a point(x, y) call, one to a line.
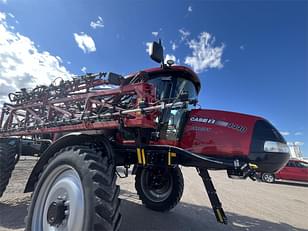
point(182, 71)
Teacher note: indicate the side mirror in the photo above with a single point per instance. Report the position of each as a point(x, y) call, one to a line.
point(114, 78)
point(157, 52)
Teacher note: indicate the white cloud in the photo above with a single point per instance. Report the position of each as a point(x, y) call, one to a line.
point(22, 65)
point(11, 15)
point(242, 47)
point(3, 1)
point(296, 143)
point(204, 54)
point(98, 23)
point(170, 57)
point(85, 42)
point(189, 8)
point(155, 33)
point(2, 17)
point(173, 45)
point(299, 143)
point(148, 47)
point(298, 133)
point(84, 69)
point(184, 34)
point(285, 133)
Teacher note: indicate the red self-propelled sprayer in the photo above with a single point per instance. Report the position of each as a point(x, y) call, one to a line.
point(84, 128)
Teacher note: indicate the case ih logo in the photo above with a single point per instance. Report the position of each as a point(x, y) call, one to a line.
point(202, 120)
point(221, 123)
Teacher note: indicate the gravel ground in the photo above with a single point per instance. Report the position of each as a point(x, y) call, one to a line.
point(249, 205)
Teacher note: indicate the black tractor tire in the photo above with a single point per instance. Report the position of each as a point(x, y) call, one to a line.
point(268, 177)
point(84, 173)
point(165, 194)
point(7, 165)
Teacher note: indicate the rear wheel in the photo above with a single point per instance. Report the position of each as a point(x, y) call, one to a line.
point(7, 164)
point(76, 191)
point(268, 177)
point(159, 189)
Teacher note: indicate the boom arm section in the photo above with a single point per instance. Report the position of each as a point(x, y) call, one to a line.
point(87, 103)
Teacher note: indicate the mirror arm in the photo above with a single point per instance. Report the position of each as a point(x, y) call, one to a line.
point(163, 60)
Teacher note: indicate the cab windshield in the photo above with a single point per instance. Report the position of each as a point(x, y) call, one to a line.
point(169, 89)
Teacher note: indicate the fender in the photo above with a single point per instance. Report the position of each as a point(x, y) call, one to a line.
point(66, 141)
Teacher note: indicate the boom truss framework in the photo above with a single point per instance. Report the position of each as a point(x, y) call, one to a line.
point(85, 103)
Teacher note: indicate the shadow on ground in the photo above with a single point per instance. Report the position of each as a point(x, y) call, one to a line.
point(136, 217)
point(188, 217)
point(12, 213)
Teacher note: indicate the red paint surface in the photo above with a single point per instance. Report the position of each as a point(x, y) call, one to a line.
point(211, 139)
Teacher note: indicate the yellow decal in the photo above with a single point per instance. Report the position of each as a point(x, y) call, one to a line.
point(139, 156)
point(219, 215)
point(143, 157)
point(170, 155)
point(253, 166)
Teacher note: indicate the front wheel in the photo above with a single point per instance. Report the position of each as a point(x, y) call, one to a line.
point(76, 191)
point(159, 189)
point(268, 177)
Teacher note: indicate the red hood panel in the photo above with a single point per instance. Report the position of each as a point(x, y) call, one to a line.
point(218, 133)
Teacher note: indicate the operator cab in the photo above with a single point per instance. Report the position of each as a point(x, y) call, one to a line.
point(174, 84)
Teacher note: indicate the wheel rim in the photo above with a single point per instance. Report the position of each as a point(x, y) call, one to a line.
point(160, 189)
point(268, 178)
point(64, 187)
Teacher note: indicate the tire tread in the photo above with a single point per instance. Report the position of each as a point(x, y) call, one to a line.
point(106, 215)
point(171, 201)
point(7, 165)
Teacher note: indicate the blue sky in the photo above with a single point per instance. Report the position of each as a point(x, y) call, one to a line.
point(254, 59)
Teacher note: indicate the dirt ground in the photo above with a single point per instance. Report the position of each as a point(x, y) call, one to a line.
point(250, 206)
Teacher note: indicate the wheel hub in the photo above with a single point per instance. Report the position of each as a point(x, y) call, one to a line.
point(56, 212)
point(60, 204)
point(156, 184)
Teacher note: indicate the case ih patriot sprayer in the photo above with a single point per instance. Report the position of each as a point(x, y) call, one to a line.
point(86, 127)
